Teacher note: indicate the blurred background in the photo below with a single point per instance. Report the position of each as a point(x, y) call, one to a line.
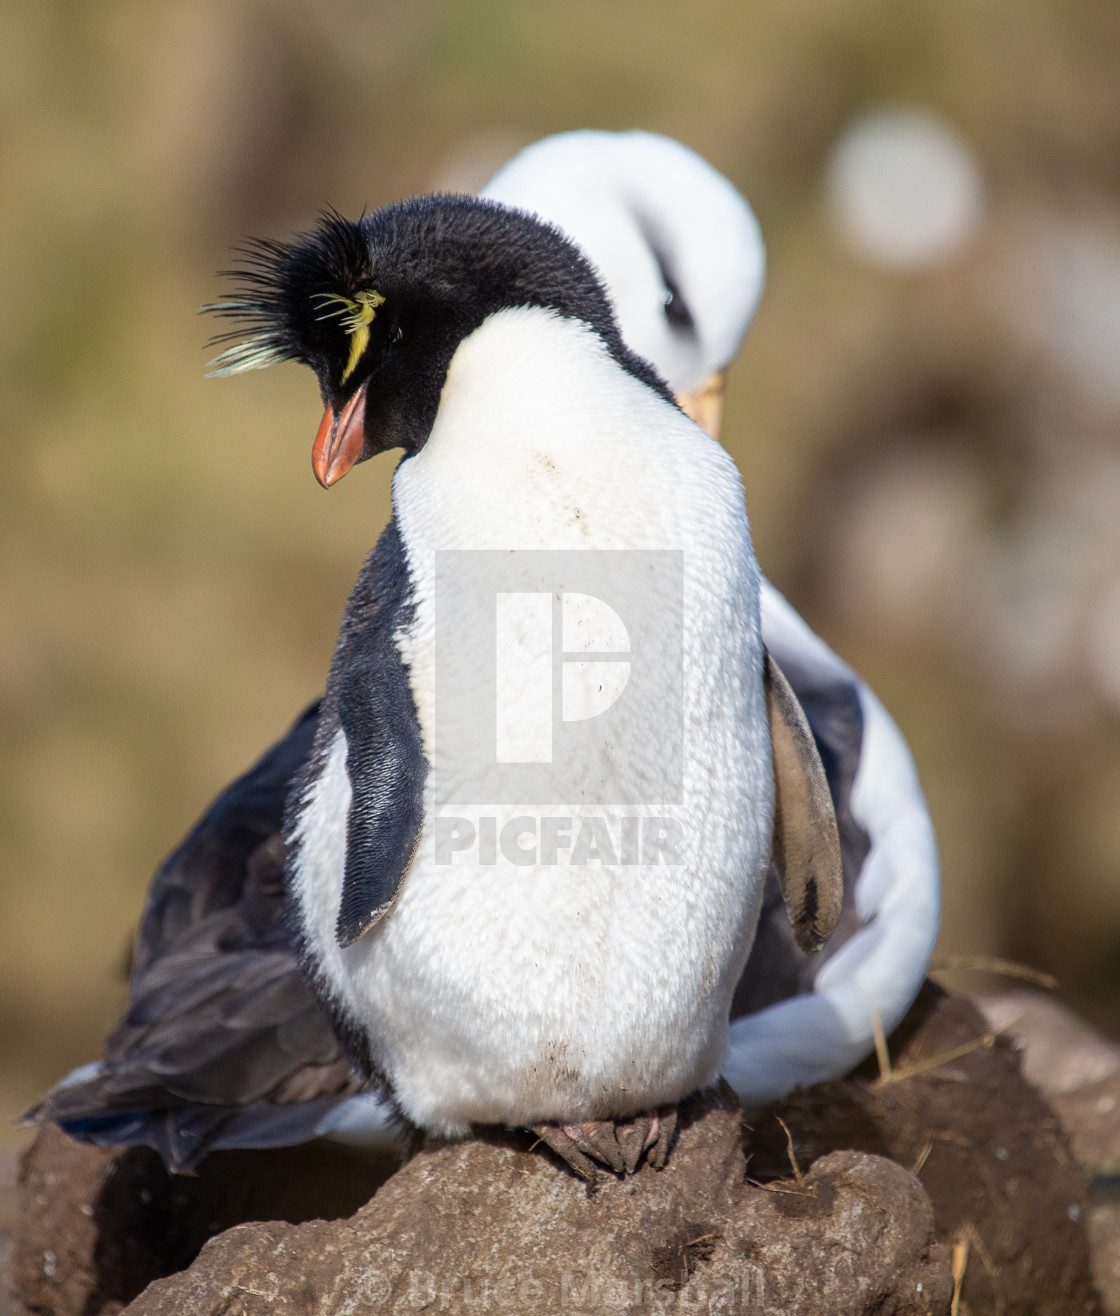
point(926, 412)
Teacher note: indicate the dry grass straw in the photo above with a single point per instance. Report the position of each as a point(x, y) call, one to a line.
point(882, 1054)
point(789, 1149)
point(800, 1190)
point(935, 1062)
point(960, 1265)
point(993, 964)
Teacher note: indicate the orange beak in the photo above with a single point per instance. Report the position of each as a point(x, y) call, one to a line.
point(338, 444)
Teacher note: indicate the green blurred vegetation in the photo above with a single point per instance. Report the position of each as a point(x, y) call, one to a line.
point(170, 575)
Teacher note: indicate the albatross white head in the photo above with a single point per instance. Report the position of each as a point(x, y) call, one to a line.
point(677, 246)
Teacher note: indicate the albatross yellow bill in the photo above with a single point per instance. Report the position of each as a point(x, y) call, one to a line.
point(704, 405)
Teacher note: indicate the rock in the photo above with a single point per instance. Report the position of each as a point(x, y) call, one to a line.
point(989, 1151)
point(9, 1171)
point(97, 1225)
point(1078, 1069)
point(492, 1223)
point(1060, 1051)
point(1091, 1114)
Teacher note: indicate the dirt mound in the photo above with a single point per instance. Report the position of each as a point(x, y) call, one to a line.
point(955, 1152)
point(96, 1226)
point(989, 1151)
point(492, 1223)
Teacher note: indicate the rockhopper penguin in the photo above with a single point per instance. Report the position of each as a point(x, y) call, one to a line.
point(581, 1000)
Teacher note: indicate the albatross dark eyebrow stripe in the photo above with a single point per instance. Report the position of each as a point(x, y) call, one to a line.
point(677, 310)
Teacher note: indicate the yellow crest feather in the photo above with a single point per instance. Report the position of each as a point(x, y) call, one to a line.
point(356, 316)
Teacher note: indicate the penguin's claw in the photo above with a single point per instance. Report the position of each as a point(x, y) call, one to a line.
point(617, 1144)
point(597, 1140)
point(554, 1137)
point(633, 1139)
point(661, 1135)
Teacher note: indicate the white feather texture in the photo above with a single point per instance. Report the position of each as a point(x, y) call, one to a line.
point(820, 1035)
point(522, 993)
point(628, 199)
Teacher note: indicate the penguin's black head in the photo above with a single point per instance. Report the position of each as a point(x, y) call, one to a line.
point(377, 309)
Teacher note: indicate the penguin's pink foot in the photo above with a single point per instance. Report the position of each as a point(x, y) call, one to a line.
point(617, 1144)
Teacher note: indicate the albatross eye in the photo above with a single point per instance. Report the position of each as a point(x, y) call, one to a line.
point(676, 310)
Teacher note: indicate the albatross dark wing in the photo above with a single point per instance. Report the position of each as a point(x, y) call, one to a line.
point(220, 1027)
point(212, 869)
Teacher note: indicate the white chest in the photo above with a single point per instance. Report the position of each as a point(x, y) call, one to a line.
point(567, 955)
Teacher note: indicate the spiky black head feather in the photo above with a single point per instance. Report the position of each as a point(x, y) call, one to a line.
point(386, 301)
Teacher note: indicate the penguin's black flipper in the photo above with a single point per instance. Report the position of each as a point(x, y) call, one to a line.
point(369, 699)
point(386, 765)
point(806, 840)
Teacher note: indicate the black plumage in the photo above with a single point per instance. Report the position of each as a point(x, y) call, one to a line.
point(441, 265)
point(368, 696)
